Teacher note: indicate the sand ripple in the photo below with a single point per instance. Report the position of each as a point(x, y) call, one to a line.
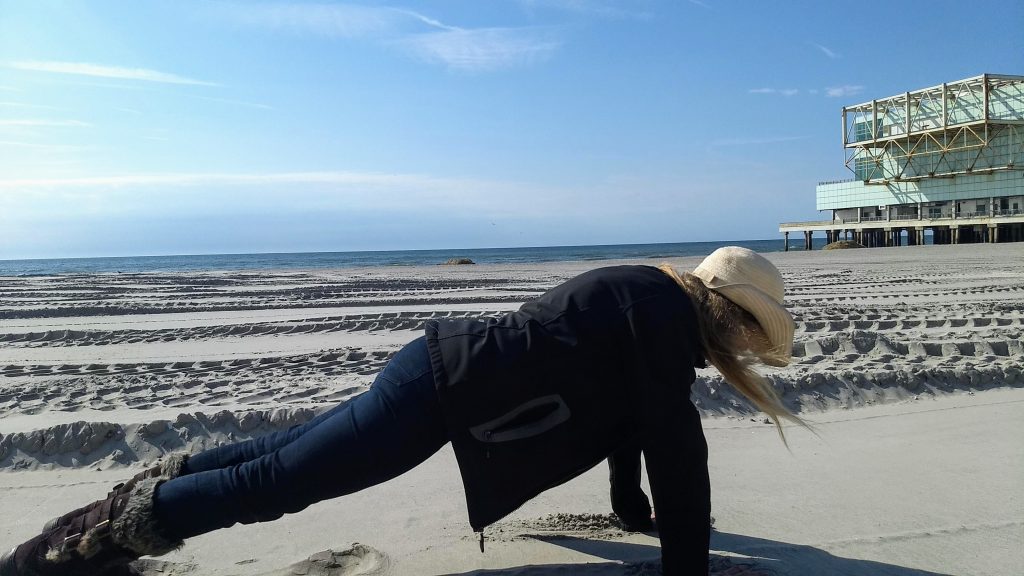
point(212, 356)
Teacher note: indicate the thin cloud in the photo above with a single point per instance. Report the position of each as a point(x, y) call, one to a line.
point(120, 86)
point(826, 50)
point(418, 35)
point(205, 178)
point(843, 91)
point(189, 193)
point(37, 146)
point(243, 103)
point(597, 8)
point(754, 141)
point(104, 71)
point(43, 123)
point(334, 20)
point(331, 20)
point(701, 4)
point(24, 105)
point(482, 49)
point(427, 20)
point(781, 91)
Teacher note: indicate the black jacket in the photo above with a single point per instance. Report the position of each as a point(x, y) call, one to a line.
point(543, 394)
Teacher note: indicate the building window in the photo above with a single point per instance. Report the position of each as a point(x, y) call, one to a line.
point(934, 212)
point(862, 131)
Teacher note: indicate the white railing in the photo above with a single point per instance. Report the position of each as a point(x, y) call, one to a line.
point(1008, 212)
point(906, 217)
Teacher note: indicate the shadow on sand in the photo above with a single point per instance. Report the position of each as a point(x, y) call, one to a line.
point(767, 556)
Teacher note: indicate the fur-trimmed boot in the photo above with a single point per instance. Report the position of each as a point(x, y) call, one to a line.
point(172, 467)
point(112, 533)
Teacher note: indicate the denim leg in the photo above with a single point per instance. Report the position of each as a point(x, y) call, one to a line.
point(388, 430)
point(236, 453)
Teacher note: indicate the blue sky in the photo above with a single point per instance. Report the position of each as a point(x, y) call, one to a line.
point(170, 127)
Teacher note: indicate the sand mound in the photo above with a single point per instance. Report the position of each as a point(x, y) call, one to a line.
point(103, 445)
point(850, 388)
point(357, 560)
point(842, 245)
point(595, 526)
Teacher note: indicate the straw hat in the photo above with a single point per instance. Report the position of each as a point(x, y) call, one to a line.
point(753, 283)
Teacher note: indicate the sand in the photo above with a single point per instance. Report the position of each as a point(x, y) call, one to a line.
point(907, 362)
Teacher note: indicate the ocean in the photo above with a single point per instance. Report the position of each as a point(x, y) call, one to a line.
point(307, 260)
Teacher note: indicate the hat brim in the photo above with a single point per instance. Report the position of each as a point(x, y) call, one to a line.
point(775, 320)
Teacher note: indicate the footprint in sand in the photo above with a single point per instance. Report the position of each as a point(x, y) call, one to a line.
point(357, 560)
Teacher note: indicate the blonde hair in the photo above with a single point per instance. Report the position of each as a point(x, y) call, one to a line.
point(733, 342)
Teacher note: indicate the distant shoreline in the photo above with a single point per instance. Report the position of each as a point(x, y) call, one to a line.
point(384, 258)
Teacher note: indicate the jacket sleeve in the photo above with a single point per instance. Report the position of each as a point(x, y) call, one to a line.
point(629, 502)
point(677, 466)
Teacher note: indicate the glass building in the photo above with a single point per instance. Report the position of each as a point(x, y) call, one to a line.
point(948, 160)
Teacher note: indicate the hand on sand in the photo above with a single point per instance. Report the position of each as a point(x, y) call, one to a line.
point(639, 525)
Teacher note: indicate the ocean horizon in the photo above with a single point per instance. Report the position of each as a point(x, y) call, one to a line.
point(354, 259)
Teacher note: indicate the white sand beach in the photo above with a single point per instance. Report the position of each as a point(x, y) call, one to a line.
point(907, 362)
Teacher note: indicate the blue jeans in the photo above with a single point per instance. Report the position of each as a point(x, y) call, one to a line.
point(381, 434)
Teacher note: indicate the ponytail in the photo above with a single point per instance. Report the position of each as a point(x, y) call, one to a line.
point(732, 342)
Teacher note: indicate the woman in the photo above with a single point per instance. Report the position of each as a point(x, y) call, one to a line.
point(600, 364)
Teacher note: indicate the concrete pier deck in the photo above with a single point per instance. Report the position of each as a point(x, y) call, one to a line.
point(873, 232)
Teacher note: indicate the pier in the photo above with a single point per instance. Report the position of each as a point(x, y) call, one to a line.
point(872, 232)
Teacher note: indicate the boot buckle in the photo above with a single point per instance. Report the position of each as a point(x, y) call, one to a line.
point(99, 530)
point(71, 541)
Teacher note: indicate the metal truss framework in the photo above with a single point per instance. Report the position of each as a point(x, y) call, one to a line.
point(970, 126)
